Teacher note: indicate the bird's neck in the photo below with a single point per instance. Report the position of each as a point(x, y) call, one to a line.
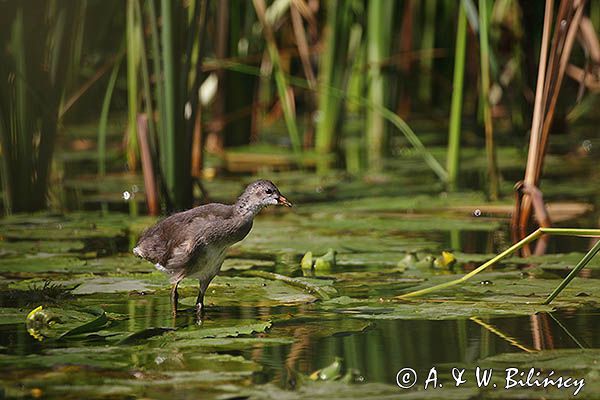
point(247, 208)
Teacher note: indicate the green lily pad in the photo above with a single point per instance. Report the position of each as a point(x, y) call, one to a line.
point(113, 285)
point(221, 329)
point(56, 264)
point(444, 311)
point(100, 357)
point(248, 291)
point(59, 323)
point(516, 288)
point(31, 247)
point(219, 335)
point(12, 315)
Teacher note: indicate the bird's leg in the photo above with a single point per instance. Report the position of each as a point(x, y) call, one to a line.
point(200, 300)
point(174, 298)
point(200, 304)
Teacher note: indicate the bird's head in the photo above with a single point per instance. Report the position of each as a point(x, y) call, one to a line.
point(260, 194)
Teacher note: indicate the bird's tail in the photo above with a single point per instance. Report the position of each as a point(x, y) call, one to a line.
point(138, 252)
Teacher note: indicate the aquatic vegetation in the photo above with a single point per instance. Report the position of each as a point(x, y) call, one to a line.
point(269, 326)
point(535, 235)
point(36, 293)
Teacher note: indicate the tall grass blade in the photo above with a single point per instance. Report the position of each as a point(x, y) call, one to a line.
point(427, 43)
point(379, 24)
point(492, 164)
point(133, 62)
point(386, 113)
point(33, 80)
point(332, 72)
point(454, 127)
point(168, 82)
point(103, 123)
point(159, 95)
point(149, 107)
point(280, 78)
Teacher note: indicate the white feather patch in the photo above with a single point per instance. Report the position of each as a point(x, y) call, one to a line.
point(160, 268)
point(138, 252)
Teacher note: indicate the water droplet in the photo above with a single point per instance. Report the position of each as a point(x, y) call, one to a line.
point(587, 145)
point(477, 213)
point(187, 111)
point(126, 195)
point(486, 282)
point(317, 116)
point(243, 45)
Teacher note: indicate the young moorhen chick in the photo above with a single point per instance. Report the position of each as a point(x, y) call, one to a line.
point(193, 243)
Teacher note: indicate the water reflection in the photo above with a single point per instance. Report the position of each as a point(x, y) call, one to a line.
point(390, 345)
point(378, 351)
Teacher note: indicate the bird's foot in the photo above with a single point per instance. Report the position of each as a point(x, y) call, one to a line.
point(174, 299)
point(199, 313)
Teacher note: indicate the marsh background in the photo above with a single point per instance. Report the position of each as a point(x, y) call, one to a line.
point(398, 128)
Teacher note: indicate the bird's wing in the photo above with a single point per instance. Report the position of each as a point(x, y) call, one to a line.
point(177, 240)
point(182, 252)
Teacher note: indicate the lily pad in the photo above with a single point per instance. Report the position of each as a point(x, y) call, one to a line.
point(221, 335)
point(59, 323)
point(248, 291)
point(113, 285)
point(444, 311)
point(41, 264)
point(31, 247)
point(12, 315)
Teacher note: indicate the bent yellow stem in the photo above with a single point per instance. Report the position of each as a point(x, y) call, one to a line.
point(533, 236)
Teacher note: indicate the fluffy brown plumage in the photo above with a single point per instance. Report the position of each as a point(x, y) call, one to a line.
point(193, 243)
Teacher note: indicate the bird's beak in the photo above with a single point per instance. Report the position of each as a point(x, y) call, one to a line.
point(283, 201)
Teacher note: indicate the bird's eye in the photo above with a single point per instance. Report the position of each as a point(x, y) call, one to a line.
point(269, 191)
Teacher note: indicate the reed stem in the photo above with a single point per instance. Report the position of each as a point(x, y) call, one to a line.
point(580, 265)
point(454, 128)
point(490, 148)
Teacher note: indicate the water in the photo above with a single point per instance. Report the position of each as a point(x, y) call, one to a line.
point(263, 338)
point(378, 351)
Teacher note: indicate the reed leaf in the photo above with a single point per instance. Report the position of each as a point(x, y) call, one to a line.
point(103, 123)
point(33, 79)
point(484, 57)
point(133, 62)
point(386, 113)
point(332, 72)
point(427, 43)
point(379, 14)
point(280, 78)
point(454, 127)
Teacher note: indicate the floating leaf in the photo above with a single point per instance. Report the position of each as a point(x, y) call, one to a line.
point(328, 373)
point(325, 262)
point(307, 261)
point(61, 323)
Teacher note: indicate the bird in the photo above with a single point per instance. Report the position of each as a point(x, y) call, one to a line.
point(193, 243)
